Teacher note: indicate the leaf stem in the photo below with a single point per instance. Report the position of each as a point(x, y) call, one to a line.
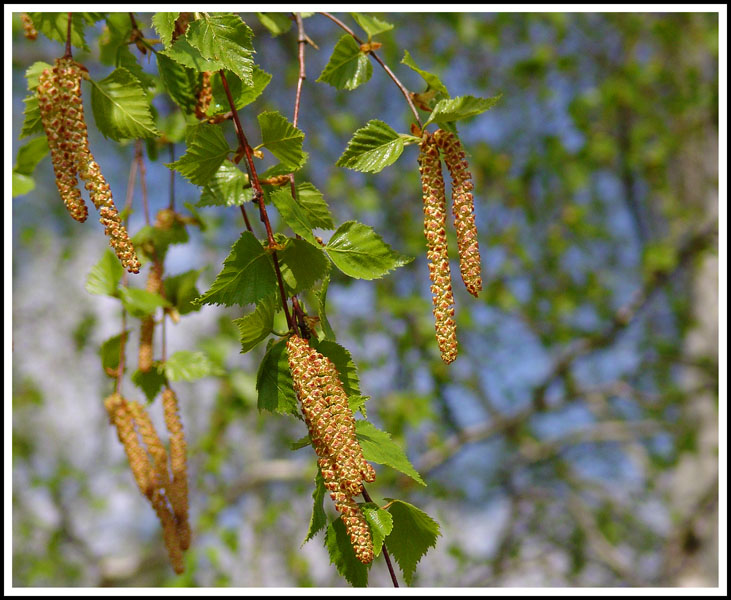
point(258, 195)
point(386, 557)
point(377, 58)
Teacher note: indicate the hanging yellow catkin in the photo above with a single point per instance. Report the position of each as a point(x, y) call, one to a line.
point(153, 444)
point(147, 326)
point(178, 490)
point(332, 430)
point(435, 217)
point(59, 97)
point(205, 96)
point(463, 209)
point(169, 531)
point(29, 30)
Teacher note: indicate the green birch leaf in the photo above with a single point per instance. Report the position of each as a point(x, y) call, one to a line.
point(343, 556)
point(359, 252)
point(321, 313)
point(241, 93)
point(372, 148)
point(255, 327)
point(105, 275)
point(226, 187)
point(301, 264)
point(204, 155)
point(164, 24)
point(185, 54)
point(54, 25)
point(282, 139)
point(413, 533)
point(180, 82)
point(110, 351)
point(113, 36)
point(381, 523)
point(150, 382)
point(303, 442)
point(461, 107)
point(318, 520)
point(185, 365)
point(226, 39)
point(343, 362)
point(276, 23)
point(432, 81)
point(32, 123)
point(33, 74)
point(22, 184)
point(348, 67)
point(371, 25)
point(180, 290)
point(311, 200)
point(126, 59)
point(141, 303)
point(274, 382)
point(357, 403)
point(30, 154)
point(153, 241)
point(121, 107)
point(292, 213)
point(247, 275)
point(378, 447)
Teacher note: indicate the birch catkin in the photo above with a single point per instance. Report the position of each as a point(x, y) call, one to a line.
point(205, 95)
point(147, 326)
point(62, 115)
point(435, 217)
point(178, 490)
point(463, 209)
point(332, 430)
point(29, 30)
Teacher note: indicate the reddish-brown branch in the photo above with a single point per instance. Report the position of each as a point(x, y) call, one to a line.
point(377, 58)
point(258, 196)
point(387, 558)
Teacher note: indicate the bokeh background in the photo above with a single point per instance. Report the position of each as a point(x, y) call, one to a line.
point(574, 442)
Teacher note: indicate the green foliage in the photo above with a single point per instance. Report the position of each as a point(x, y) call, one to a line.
point(348, 66)
point(242, 93)
point(282, 139)
point(141, 303)
point(274, 382)
point(276, 23)
point(226, 40)
point(343, 362)
point(29, 155)
point(164, 23)
point(150, 382)
point(378, 447)
point(343, 556)
point(432, 81)
point(381, 524)
point(318, 519)
point(121, 108)
point(180, 291)
point(302, 264)
point(314, 205)
point(229, 186)
point(371, 25)
point(372, 148)
point(32, 114)
point(321, 309)
point(154, 241)
point(292, 213)
point(180, 82)
point(55, 26)
point(104, 277)
point(359, 252)
point(413, 533)
point(203, 156)
point(255, 327)
point(182, 52)
point(185, 365)
point(109, 352)
point(462, 107)
point(247, 275)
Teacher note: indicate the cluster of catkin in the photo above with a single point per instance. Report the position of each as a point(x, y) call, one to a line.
point(332, 430)
point(29, 30)
point(435, 219)
point(165, 487)
point(62, 115)
point(205, 96)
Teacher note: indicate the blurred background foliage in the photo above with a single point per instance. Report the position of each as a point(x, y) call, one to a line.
point(575, 439)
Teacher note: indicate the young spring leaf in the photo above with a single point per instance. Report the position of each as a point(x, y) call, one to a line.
point(413, 533)
point(164, 23)
point(30, 154)
point(226, 39)
point(121, 107)
point(255, 327)
point(276, 23)
point(432, 81)
point(54, 25)
point(105, 275)
point(226, 187)
point(302, 264)
point(372, 148)
point(247, 275)
point(21, 184)
point(371, 25)
point(141, 303)
point(185, 54)
point(318, 520)
point(150, 382)
point(241, 93)
point(282, 139)
point(32, 114)
point(378, 447)
point(292, 213)
point(311, 200)
point(348, 66)
point(381, 523)
point(274, 382)
point(343, 556)
point(203, 156)
point(359, 252)
point(461, 107)
point(180, 290)
point(179, 81)
point(321, 309)
point(185, 365)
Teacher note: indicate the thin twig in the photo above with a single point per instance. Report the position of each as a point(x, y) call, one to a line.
point(67, 54)
point(377, 58)
point(258, 195)
point(386, 557)
point(143, 185)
